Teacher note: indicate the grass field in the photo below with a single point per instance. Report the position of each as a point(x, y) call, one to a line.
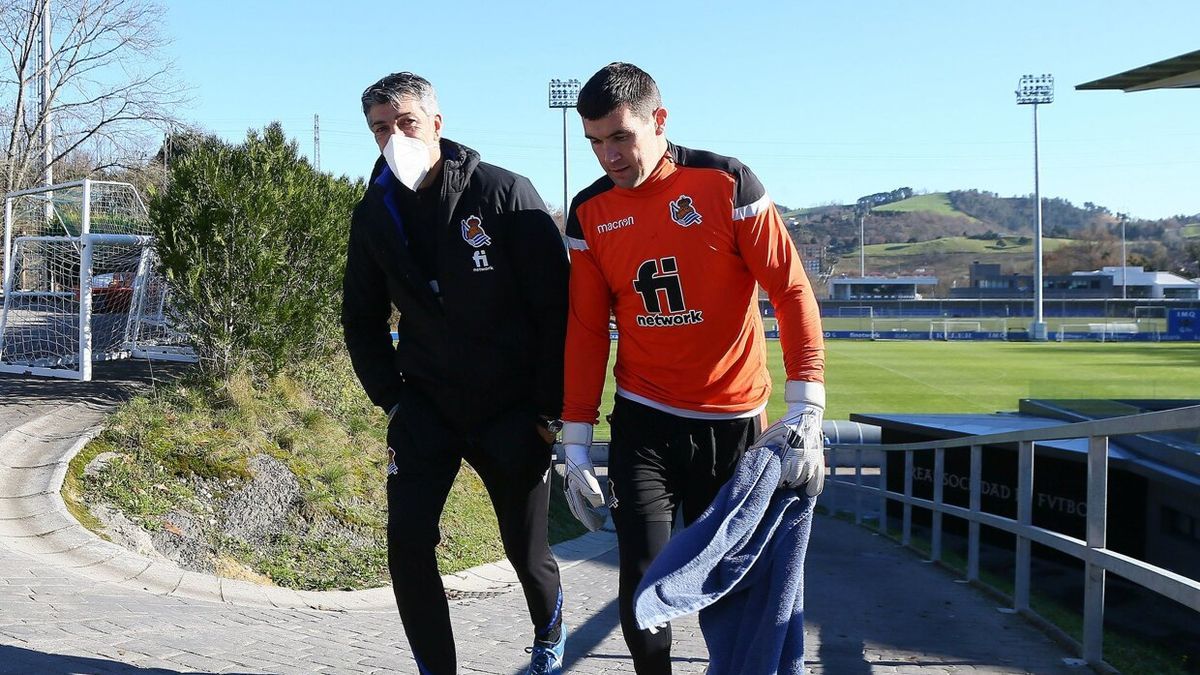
point(1190, 231)
point(933, 203)
point(984, 377)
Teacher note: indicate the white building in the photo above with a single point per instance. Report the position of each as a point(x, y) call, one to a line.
point(1139, 283)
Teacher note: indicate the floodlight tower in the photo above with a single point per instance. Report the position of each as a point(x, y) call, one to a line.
point(1124, 258)
point(862, 245)
point(564, 94)
point(1034, 90)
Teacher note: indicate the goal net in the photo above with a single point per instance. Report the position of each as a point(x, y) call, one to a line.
point(81, 282)
point(956, 329)
point(1151, 319)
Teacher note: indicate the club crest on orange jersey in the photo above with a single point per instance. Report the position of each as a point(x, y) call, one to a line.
point(473, 233)
point(684, 212)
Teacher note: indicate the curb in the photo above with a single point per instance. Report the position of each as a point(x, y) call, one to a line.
point(63, 542)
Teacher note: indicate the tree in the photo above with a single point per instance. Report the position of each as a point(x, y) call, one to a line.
point(111, 92)
point(1097, 247)
point(1191, 258)
point(252, 241)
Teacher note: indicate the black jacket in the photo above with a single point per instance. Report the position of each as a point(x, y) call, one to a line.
point(493, 340)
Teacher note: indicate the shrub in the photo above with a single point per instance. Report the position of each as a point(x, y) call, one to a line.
point(252, 241)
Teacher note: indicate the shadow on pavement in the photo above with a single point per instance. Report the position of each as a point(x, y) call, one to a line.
point(583, 639)
point(111, 381)
point(17, 660)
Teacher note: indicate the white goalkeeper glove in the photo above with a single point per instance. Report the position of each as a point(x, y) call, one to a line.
point(581, 487)
point(804, 459)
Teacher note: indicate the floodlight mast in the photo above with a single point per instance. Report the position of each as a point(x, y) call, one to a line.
point(862, 245)
point(1034, 90)
point(564, 94)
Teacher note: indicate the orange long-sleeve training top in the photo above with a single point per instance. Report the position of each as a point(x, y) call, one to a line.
point(676, 261)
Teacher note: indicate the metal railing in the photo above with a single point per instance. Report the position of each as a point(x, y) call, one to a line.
point(1092, 551)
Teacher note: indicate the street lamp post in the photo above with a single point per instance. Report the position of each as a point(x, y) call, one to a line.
point(1034, 90)
point(564, 94)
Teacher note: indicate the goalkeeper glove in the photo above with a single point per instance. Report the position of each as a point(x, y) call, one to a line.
point(581, 487)
point(804, 459)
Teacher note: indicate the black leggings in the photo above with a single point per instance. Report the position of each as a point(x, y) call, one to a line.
point(513, 462)
point(661, 465)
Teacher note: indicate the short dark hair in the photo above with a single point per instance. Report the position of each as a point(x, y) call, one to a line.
point(397, 86)
point(619, 84)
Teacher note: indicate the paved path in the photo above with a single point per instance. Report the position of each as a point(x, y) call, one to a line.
point(70, 603)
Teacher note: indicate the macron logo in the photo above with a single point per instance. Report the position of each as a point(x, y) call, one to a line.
point(614, 225)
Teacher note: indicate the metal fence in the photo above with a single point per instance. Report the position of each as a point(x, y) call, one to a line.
point(1092, 551)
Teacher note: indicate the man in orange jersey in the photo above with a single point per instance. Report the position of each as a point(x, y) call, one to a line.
point(673, 242)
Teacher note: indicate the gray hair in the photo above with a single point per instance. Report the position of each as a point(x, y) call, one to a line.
point(397, 86)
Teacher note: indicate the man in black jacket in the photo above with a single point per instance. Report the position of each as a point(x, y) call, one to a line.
point(477, 272)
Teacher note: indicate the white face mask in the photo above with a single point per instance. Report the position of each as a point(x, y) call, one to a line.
point(408, 158)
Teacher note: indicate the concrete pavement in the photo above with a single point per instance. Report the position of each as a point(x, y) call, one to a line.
point(71, 603)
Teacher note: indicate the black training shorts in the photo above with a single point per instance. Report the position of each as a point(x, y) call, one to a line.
point(659, 462)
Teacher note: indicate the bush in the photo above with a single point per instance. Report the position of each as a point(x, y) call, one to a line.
point(252, 241)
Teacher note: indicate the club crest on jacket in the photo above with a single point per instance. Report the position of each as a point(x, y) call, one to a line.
point(684, 213)
point(473, 233)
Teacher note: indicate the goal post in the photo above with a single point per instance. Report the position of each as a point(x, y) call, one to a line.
point(80, 277)
point(946, 329)
point(862, 311)
point(1150, 319)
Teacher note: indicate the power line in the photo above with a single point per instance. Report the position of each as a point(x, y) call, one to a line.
point(316, 141)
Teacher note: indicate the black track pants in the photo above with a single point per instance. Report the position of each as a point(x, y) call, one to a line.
point(660, 465)
point(513, 462)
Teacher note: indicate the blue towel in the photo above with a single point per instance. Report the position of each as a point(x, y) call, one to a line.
point(741, 564)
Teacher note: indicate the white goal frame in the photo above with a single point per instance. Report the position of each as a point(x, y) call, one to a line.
point(948, 326)
point(63, 244)
point(1151, 319)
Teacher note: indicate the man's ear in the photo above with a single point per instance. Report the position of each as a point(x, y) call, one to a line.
point(660, 120)
point(437, 126)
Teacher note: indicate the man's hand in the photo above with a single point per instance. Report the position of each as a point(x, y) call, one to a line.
point(548, 436)
point(804, 459)
point(581, 487)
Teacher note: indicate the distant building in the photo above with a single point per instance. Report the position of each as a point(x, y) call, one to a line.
point(812, 257)
point(1139, 283)
point(987, 281)
point(878, 288)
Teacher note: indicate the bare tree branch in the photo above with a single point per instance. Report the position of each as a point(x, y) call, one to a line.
point(112, 89)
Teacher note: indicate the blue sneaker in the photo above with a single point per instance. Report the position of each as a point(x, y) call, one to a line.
point(547, 659)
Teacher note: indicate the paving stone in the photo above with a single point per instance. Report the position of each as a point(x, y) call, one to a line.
point(870, 607)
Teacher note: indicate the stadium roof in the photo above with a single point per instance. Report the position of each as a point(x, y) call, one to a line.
point(1178, 72)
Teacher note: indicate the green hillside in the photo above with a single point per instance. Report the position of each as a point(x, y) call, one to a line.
point(808, 211)
point(1190, 231)
point(936, 202)
point(946, 245)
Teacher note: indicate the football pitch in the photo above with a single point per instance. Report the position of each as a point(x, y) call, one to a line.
point(982, 377)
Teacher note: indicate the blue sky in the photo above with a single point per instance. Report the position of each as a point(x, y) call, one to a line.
point(825, 103)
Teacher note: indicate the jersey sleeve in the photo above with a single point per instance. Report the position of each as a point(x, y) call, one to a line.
point(587, 331)
point(773, 260)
